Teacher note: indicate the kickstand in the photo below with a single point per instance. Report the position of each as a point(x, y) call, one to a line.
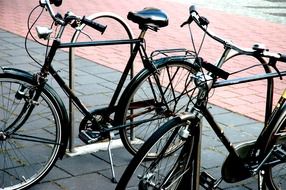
point(261, 180)
point(111, 136)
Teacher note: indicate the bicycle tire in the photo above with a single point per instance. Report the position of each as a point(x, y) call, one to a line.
point(275, 174)
point(142, 101)
point(165, 170)
point(28, 153)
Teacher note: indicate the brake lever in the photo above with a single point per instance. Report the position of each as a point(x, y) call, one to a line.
point(272, 63)
point(184, 23)
point(189, 21)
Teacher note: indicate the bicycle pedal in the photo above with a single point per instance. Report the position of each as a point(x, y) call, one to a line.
point(207, 181)
point(280, 152)
point(89, 136)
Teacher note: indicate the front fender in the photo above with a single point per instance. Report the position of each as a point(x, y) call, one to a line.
point(16, 71)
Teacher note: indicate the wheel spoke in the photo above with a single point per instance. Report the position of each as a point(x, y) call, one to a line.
point(159, 95)
point(33, 139)
point(30, 133)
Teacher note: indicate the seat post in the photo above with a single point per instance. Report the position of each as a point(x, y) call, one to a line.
point(143, 32)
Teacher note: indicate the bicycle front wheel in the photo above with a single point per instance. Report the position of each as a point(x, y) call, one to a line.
point(175, 171)
point(275, 173)
point(30, 132)
point(151, 99)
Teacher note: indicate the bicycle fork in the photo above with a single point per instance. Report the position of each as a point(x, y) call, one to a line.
point(195, 123)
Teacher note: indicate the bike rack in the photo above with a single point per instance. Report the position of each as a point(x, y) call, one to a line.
point(71, 82)
point(71, 65)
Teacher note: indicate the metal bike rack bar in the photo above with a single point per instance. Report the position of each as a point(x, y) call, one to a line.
point(71, 106)
point(72, 66)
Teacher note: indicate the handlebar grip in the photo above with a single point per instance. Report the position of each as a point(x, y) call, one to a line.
point(282, 58)
point(99, 27)
point(57, 3)
point(192, 9)
point(215, 70)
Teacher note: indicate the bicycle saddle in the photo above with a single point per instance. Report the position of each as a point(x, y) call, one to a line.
point(149, 16)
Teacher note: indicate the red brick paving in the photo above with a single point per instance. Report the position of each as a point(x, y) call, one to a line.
point(247, 99)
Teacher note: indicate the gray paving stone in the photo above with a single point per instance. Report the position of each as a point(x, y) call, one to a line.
point(98, 99)
point(55, 174)
point(215, 110)
point(211, 158)
point(85, 79)
point(46, 186)
point(85, 64)
point(18, 59)
point(99, 69)
point(110, 85)
point(15, 52)
point(121, 156)
point(84, 164)
point(117, 170)
point(112, 76)
point(2, 54)
point(10, 46)
point(236, 134)
point(252, 129)
point(5, 34)
point(4, 63)
point(92, 181)
point(233, 119)
point(92, 89)
point(15, 40)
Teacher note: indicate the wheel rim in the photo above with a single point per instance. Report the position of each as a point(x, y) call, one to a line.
point(28, 152)
point(164, 172)
point(177, 95)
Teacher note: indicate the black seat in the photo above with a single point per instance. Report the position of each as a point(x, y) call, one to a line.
point(149, 16)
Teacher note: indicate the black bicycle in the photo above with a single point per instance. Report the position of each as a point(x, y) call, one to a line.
point(34, 124)
point(264, 157)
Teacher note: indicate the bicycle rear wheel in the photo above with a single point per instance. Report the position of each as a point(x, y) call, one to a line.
point(275, 173)
point(30, 132)
point(172, 171)
point(145, 108)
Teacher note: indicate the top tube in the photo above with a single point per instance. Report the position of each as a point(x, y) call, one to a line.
point(99, 43)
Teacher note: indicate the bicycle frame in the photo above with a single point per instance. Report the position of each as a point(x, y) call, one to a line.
point(200, 109)
point(138, 47)
point(270, 83)
point(243, 161)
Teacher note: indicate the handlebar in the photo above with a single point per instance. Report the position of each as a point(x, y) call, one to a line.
point(69, 17)
point(97, 26)
point(203, 22)
point(47, 4)
point(282, 58)
point(214, 69)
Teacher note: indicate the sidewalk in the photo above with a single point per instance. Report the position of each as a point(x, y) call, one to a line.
point(91, 171)
point(244, 31)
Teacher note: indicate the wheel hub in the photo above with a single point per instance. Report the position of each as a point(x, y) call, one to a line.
point(3, 137)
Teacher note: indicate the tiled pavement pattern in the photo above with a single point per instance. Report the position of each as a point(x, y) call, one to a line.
point(91, 171)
